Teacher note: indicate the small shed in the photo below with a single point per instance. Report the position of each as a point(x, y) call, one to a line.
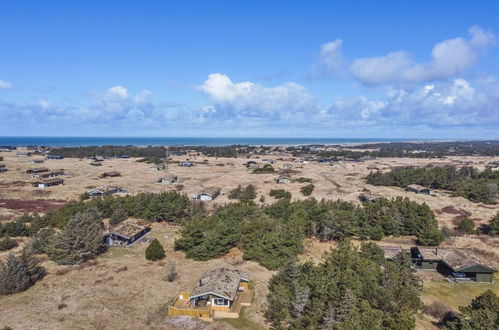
point(369, 198)
point(96, 164)
point(23, 153)
point(284, 179)
point(208, 194)
point(45, 183)
point(127, 233)
point(415, 188)
point(171, 179)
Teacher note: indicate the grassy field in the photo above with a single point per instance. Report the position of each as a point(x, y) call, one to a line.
point(456, 294)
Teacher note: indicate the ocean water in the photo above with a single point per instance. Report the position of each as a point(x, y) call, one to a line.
point(20, 141)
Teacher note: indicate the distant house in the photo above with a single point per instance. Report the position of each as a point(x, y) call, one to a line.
point(23, 153)
point(287, 166)
point(390, 252)
point(49, 174)
point(127, 233)
point(98, 158)
point(252, 166)
point(111, 174)
point(369, 198)
point(124, 156)
point(55, 157)
point(220, 293)
point(208, 194)
point(37, 170)
point(415, 188)
point(45, 183)
point(187, 164)
point(457, 264)
point(3, 168)
point(35, 161)
point(95, 164)
point(284, 179)
point(159, 167)
point(171, 179)
point(105, 191)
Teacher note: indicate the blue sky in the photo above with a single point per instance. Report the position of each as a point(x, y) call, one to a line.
point(422, 69)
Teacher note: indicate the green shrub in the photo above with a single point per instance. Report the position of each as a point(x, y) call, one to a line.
point(307, 190)
point(280, 193)
point(466, 225)
point(7, 243)
point(155, 251)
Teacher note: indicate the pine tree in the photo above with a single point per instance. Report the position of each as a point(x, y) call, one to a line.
point(80, 240)
point(155, 251)
point(14, 276)
point(466, 225)
point(7, 243)
point(120, 214)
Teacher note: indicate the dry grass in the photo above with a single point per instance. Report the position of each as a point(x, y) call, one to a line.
point(119, 290)
point(123, 290)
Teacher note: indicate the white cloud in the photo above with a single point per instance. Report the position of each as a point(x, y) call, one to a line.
point(118, 91)
point(447, 104)
point(449, 58)
point(5, 84)
point(248, 99)
point(330, 59)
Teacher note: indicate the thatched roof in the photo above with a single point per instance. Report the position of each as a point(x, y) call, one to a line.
point(391, 251)
point(129, 228)
point(222, 282)
point(455, 258)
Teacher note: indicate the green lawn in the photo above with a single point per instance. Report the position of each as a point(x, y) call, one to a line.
point(457, 294)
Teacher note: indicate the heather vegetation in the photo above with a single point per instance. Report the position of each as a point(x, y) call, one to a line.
point(467, 182)
point(351, 289)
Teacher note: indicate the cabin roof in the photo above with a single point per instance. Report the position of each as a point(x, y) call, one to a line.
point(391, 251)
point(105, 189)
point(457, 259)
point(417, 187)
point(222, 282)
point(50, 180)
point(37, 170)
point(129, 228)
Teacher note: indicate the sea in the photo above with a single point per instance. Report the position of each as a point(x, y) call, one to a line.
point(22, 141)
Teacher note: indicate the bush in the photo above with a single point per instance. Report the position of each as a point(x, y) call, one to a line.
point(437, 309)
point(7, 243)
point(16, 229)
point(466, 225)
point(307, 190)
point(280, 193)
point(493, 225)
point(303, 180)
point(243, 194)
point(155, 251)
point(171, 273)
point(267, 168)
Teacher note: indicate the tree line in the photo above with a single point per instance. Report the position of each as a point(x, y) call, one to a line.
point(467, 182)
point(274, 234)
point(351, 289)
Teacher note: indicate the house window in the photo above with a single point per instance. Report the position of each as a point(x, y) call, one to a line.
point(220, 302)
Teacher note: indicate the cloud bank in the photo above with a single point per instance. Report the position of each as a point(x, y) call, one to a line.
point(448, 59)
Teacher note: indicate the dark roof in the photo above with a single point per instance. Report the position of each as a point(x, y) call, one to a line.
point(457, 259)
